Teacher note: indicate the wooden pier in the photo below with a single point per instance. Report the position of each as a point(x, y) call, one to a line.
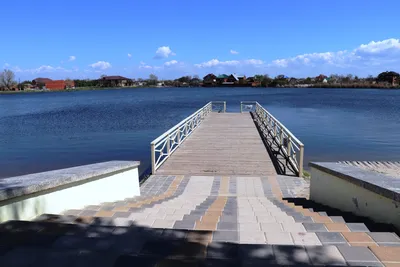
point(213, 142)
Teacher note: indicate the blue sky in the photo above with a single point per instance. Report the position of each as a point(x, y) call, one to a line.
point(172, 38)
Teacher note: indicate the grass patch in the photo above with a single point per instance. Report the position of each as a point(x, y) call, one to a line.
point(306, 175)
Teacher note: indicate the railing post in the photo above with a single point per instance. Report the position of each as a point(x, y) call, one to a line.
point(179, 136)
point(301, 160)
point(289, 146)
point(169, 145)
point(153, 159)
point(241, 107)
point(224, 106)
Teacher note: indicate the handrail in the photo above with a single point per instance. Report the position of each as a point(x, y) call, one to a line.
point(163, 146)
point(279, 138)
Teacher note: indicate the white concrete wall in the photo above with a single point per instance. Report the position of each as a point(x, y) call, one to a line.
point(111, 188)
point(338, 193)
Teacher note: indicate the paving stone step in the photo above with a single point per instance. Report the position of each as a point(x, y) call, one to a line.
point(205, 221)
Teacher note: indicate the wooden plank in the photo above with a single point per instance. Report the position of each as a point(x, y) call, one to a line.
point(224, 144)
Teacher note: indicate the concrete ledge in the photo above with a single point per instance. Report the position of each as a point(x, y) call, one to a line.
point(349, 188)
point(25, 197)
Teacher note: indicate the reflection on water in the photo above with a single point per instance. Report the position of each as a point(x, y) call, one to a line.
point(55, 130)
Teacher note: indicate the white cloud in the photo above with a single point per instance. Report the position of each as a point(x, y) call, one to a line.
point(129, 55)
point(171, 63)
point(6, 65)
point(71, 58)
point(364, 56)
point(380, 47)
point(216, 63)
point(234, 52)
point(143, 65)
point(101, 65)
point(164, 52)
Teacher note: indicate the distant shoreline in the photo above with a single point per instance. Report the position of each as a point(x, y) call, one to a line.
point(139, 87)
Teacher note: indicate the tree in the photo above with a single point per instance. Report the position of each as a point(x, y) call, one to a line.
point(388, 76)
point(7, 79)
point(153, 77)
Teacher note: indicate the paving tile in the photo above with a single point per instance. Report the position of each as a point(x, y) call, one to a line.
point(315, 227)
point(331, 238)
point(202, 237)
point(228, 218)
point(293, 227)
point(145, 222)
point(161, 248)
point(249, 226)
point(357, 237)
point(225, 236)
point(271, 227)
point(279, 238)
point(337, 227)
point(387, 254)
point(187, 251)
point(227, 226)
point(357, 227)
point(384, 237)
point(306, 239)
point(191, 217)
point(325, 255)
point(122, 222)
point(303, 219)
point(257, 252)
point(120, 214)
point(321, 219)
point(291, 255)
point(337, 219)
point(218, 250)
point(104, 213)
point(206, 226)
point(357, 254)
point(88, 213)
point(72, 212)
point(249, 219)
point(163, 223)
point(174, 217)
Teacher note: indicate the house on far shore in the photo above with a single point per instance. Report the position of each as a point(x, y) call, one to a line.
point(115, 81)
point(59, 85)
point(223, 78)
point(209, 80)
point(39, 83)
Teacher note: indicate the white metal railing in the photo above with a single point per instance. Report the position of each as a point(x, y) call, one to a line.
point(219, 106)
point(247, 106)
point(166, 144)
point(280, 138)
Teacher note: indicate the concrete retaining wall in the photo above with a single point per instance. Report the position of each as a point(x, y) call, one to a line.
point(26, 197)
point(356, 193)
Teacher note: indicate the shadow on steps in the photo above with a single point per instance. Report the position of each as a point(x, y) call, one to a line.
point(76, 243)
point(347, 216)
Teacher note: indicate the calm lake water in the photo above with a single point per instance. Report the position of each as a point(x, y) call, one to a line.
point(46, 131)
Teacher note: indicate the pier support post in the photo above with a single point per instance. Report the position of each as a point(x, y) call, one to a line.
point(301, 161)
point(153, 159)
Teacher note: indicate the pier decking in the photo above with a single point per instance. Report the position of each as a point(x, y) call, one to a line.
point(224, 144)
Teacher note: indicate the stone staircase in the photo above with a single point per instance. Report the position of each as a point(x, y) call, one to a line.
point(199, 221)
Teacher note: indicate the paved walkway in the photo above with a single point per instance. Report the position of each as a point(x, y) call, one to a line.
point(224, 144)
point(198, 221)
